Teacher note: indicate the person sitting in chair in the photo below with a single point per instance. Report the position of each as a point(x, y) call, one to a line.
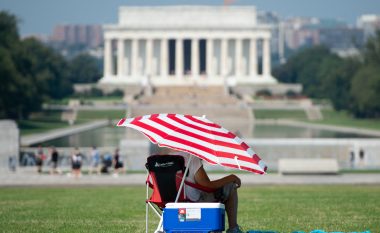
point(226, 188)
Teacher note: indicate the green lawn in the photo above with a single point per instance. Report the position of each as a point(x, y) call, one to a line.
point(121, 209)
point(44, 121)
point(332, 117)
point(101, 114)
point(41, 122)
point(50, 120)
point(280, 114)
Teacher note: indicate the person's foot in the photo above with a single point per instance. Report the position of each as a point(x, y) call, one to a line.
point(235, 230)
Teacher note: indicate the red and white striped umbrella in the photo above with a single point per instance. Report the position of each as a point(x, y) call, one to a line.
point(198, 136)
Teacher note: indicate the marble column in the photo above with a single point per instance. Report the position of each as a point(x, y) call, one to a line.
point(224, 56)
point(266, 58)
point(238, 56)
point(134, 59)
point(148, 57)
point(179, 58)
point(120, 57)
point(195, 57)
point(209, 57)
point(164, 58)
point(108, 58)
point(253, 58)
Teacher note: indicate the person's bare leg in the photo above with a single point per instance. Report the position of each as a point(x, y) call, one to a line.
point(231, 208)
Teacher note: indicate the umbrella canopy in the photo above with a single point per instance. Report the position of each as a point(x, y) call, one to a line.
point(198, 136)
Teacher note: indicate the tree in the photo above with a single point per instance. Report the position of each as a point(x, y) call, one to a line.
point(371, 51)
point(366, 92)
point(30, 72)
point(10, 79)
point(84, 69)
point(304, 67)
point(365, 85)
point(8, 27)
point(336, 75)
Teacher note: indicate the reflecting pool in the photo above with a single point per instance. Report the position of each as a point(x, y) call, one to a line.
point(111, 136)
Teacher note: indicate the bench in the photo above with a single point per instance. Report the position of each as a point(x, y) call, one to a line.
point(308, 166)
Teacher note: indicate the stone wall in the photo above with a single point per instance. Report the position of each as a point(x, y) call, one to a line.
point(135, 152)
point(9, 143)
point(271, 150)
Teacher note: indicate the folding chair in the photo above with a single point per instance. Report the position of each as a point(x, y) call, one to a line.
point(166, 176)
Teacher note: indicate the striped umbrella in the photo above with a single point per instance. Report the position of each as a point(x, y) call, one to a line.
point(198, 136)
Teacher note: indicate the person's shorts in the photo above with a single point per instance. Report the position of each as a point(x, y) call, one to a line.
point(54, 164)
point(76, 165)
point(118, 165)
point(95, 164)
point(220, 195)
point(39, 162)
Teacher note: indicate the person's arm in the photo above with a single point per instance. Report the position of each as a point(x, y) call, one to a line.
point(202, 178)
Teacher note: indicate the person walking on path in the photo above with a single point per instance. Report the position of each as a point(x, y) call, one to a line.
point(95, 161)
point(117, 163)
point(40, 159)
point(54, 160)
point(76, 163)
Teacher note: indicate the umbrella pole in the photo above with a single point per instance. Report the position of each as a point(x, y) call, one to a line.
point(183, 178)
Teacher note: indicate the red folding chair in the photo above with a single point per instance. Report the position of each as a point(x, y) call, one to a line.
point(166, 176)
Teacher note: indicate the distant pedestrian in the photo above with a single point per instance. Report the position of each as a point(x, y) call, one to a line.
point(40, 157)
point(107, 161)
point(12, 163)
point(95, 160)
point(76, 163)
point(54, 160)
point(361, 157)
point(118, 163)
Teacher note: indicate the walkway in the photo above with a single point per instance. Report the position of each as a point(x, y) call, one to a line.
point(42, 137)
point(369, 132)
point(31, 178)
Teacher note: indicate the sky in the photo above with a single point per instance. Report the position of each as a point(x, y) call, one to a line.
point(40, 16)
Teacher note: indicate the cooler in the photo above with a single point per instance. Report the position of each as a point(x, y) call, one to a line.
point(193, 217)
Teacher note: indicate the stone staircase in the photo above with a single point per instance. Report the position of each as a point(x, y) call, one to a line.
point(313, 113)
point(223, 109)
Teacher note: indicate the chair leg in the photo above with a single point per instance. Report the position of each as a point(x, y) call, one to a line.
point(146, 217)
point(146, 209)
point(160, 228)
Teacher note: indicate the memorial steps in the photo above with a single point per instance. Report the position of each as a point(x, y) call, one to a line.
point(223, 109)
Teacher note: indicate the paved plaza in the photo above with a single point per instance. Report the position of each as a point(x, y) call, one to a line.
point(31, 178)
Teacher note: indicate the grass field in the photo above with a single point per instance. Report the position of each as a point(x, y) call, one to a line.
point(280, 114)
point(101, 114)
point(121, 209)
point(332, 117)
point(44, 121)
point(50, 120)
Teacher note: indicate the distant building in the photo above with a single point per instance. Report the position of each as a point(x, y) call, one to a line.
point(75, 34)
point(277, 42)
point(297, 35)
point(335, 34)
point(369, 23)
point(341, 38)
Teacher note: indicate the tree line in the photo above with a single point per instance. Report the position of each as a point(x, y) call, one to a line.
point(32, 73)
point(351, 84)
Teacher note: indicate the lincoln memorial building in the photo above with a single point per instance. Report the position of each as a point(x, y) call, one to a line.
point(187, 45)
